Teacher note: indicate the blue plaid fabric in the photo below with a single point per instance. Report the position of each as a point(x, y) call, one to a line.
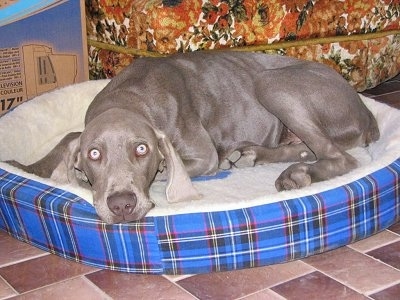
point(66, 225)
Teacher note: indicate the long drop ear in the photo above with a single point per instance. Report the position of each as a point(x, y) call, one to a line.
point(69, 168)
point(179, 187)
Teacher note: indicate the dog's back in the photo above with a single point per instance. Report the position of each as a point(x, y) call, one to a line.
point(232, 94)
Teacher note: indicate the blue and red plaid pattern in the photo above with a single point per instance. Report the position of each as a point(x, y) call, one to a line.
point(64, 224)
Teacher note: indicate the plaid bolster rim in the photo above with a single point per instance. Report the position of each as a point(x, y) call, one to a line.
point(64, 224)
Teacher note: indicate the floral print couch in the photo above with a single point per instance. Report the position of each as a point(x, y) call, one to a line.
point(358, 38)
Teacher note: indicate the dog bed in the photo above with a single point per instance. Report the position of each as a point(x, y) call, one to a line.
point(241, 222)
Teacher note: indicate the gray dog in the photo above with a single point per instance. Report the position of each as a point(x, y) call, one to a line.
point(191, 114)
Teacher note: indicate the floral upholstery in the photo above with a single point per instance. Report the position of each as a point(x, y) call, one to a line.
point(359, 38)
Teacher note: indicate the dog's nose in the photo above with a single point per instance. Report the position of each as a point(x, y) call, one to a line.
point(122, 204)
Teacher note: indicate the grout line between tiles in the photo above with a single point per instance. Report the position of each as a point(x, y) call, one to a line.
point(382, 262)
point(398, 234)
point(185, 290)
point(11, 287)
point(176, 278)
point(397, 239)
point(96, 287)
point(349, 285)
point(346, 284)
point(383, 288)
point(259, 291)
point(25, 259)
point(56, 283)
point(312, 269)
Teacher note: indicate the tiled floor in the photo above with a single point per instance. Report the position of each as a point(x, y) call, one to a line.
point(369, 269)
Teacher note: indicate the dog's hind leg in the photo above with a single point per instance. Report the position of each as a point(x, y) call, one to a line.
point(301, 174)
point(324, 112)
point(331, 159)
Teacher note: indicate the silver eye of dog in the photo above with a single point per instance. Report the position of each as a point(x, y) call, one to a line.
point(141, 150)
point(94, 154)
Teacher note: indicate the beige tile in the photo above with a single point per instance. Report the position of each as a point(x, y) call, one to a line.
point(266, 294)
point(378, 240)
point(240, 283)
point(354, 269)
point(42, 271)
point(120, 285)
point(5, 289)
point(13, 250)
point(175, 278)
point(76, 288)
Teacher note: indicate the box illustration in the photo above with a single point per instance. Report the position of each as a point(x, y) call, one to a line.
point(40, 50)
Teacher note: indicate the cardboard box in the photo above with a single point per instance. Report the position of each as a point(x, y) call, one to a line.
point(42, 47)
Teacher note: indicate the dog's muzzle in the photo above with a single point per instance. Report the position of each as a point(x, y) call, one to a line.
point(122, 204)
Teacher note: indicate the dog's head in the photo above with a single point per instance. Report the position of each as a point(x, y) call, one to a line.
point(119, 155)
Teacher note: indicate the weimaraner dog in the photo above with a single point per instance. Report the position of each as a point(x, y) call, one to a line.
point(191, 114)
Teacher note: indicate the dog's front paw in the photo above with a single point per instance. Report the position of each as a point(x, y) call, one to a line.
point(228, 162)
point(247, 158)
point(294, 177)
point(239, 159)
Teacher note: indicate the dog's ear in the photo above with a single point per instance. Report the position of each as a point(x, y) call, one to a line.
point(70, 162)
point(179, 187)
point(59, 163)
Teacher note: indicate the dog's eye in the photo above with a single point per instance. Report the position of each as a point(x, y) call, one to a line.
point(94, 154)
point(141, 150)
